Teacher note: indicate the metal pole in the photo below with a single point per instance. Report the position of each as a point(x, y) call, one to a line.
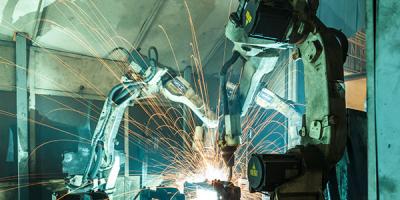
point(21, 54)
point(373, 190)
point(126, 150)
point(32, 114)
point(126, 142)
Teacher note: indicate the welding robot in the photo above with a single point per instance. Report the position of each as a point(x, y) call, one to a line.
point(96, 178)
point(259, 29)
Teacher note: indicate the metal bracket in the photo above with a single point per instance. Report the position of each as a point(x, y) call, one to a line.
point(316, 130)
point(319, 129)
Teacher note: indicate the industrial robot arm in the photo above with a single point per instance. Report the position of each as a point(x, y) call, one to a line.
point(259, 29)
point(102, 170)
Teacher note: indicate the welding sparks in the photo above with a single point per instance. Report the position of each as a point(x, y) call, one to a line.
point(213, 173)
point(188, 166)
point(206, 194)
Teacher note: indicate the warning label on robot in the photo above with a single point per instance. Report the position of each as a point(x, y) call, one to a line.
point(253, 170)
point(248, 18)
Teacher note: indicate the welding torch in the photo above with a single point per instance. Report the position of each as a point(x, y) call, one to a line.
point(229, 136)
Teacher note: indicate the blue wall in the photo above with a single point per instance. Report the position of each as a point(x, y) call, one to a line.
point(347, 15)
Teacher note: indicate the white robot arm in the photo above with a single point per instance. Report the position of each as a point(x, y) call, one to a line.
point(101, 171)
point(259, 28)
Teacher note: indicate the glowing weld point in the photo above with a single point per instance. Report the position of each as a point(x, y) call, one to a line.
point(202, 194)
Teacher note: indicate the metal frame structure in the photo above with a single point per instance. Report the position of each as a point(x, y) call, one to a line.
point(21, 77)
point(383, 93)
point(372, 146)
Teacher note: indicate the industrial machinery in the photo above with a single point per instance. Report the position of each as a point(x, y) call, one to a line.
point(160, 193)
point(259, 29)
point(99, 174)
point(92, 174)
point(215, 190)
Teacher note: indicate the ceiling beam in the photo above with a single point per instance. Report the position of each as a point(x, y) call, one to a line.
point(217, 46)
point(148, 23)
point(356, 76)
point(40, 14)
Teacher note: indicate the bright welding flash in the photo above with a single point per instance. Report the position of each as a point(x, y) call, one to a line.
point(202, 194)
point(213, 173)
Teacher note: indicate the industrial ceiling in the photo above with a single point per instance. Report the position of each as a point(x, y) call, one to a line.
point(96, 27)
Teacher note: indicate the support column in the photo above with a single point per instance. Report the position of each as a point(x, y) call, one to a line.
point(373, 191)
point(383, 99)
point(21, 54)
point(32, 116)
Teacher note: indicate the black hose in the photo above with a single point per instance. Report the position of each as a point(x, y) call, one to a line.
point(125, 92)
point(92, 151)
point(96, 167)
point(222, 81)
point(154, 50)
point(139, 59)
point(124, 50)
point(222, 87)
point(153, 62)
point(115, 91)
point(153, 67)
point(116, 95)
point(134, 56)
